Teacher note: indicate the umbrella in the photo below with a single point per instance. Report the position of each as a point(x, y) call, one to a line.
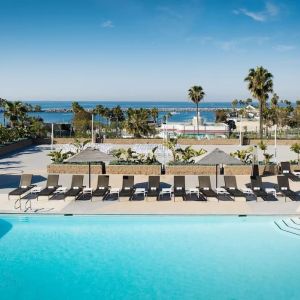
point(89, 155)
point(219, 157)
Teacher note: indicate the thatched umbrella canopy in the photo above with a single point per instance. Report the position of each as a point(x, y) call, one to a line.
point(90, 155)
point(219, 157)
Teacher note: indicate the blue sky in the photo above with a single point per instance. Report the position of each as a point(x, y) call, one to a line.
point(145, 50)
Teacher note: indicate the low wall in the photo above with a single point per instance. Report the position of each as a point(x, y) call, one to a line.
point(68, 140)
point(134, 169)
point(73, 169)
point(279, 142)
point(180, 141)
point(14, 147)
point(133, 141)
point(210, 170)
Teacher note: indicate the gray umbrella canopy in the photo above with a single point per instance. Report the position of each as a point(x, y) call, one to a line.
point(90, 155)
point(219, 157)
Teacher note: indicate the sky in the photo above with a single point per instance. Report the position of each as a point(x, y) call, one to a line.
point(146, 49)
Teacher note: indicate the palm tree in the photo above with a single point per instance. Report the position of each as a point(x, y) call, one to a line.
point(260, 84)
point(15, 112)
point(154, 114)
point(3, 106)
point(137, 123)
point(196, 94)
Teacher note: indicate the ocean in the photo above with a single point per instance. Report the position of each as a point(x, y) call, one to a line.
point(66, 117)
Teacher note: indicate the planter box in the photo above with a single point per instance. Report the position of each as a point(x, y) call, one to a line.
point(73, 169)
point(14, 147)
point(134, 169)
point(210, 170)
point(190, 170)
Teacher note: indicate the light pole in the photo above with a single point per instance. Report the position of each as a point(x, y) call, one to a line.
point(92, 128)
point(52, 135)
point(275, 144)
point(241, 131)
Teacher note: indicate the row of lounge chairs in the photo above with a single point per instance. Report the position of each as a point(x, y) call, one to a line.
point(154, 188)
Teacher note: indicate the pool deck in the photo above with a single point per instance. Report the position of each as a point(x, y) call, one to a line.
point(34, 160)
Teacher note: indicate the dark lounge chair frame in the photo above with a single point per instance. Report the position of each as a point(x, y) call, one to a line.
point(76, 187)
point(205, 187)
point(231, 186)
point(179, 187)
point(102, 186)
point(153, 186)
point(51, 186)
point(258, 191)
point(286, 170)
point(127, 186)
point(284, 188)
point(24, 186)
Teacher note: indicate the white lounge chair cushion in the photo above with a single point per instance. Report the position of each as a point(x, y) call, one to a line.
point(284, 188)
point(24, 186)
point(232, 188)
point(50, 187)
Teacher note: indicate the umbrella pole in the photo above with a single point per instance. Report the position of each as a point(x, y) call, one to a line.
point(216, 176)
point(89, 174)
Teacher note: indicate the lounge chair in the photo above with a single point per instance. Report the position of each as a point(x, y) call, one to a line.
point(258, 191)
point(207, 191)
point(284, 188)
point(76, 187)
point(286, 170)
point(24, 187)
point(231, 187)
point(179, 187)
point(102, 186)
point(153, 186)
point(186, 194)
point(127, 186)
point(51, 186)
point(205, 187)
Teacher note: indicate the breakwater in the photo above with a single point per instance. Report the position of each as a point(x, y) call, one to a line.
point(160, 109)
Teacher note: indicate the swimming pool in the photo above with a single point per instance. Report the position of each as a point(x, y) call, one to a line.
point(147, 257)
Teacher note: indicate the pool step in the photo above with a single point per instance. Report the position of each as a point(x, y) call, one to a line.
point(288, 226)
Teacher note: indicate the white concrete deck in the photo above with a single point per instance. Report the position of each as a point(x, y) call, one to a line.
point(34, 160)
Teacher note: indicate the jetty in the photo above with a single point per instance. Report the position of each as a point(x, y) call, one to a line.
point(160, 109)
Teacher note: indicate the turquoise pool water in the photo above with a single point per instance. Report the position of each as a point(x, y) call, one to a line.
point(136, 257)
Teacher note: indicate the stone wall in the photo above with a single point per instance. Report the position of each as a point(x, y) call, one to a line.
point(68, 140)
point(14, 147)
point(134, 169)
point(271, 142)
point(180, 141)
point(73, 169)
point(209, 170)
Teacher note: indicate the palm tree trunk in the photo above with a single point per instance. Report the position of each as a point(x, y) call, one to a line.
point(197, 118)
point(261, 119)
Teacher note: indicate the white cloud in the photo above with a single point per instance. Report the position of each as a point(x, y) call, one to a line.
point(107, 24)
point(238, 44)
point(284, 48)
point(271, 10)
